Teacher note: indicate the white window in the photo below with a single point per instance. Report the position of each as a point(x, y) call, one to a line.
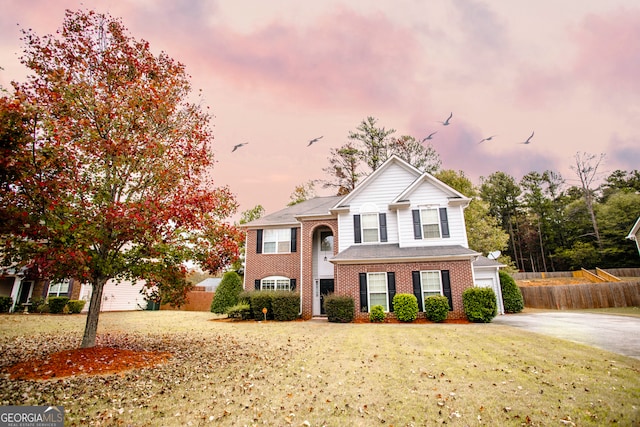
point(431, 283)
point(430, 221)
point(277, 241)
point(60, 287)
point(275, 283)
point(377, 288)
point(369, 227)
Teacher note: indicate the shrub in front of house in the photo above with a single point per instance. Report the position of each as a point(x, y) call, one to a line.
point(339, 308)
point(511, 294)
point(240, 311)
point(436, 308)
point(75, 305)
point(479, 304)
point(405, 306)
point(377, 314)
point(227, 292)
point(5, 304)
point(285, 305)
point(260, 300)
point(57, 304)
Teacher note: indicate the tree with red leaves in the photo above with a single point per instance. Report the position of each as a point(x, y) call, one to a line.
point(113, 182)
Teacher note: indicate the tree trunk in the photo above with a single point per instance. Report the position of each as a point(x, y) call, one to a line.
point(91, 327)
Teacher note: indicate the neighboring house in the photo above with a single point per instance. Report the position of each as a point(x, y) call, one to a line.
point(634, 234)
point(210, 284)
point(23, 288)
point(399, 231)
point(122, 296)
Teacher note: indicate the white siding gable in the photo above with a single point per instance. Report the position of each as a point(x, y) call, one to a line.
point(375, 196)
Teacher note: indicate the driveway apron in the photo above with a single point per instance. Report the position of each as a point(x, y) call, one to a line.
point(617, 334)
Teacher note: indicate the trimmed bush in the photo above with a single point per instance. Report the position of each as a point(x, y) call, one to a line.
point(57, 304)
point(436, 308)
point(227, 292)
point(405, 306)
point(511, 294)
point(260, 300)
point(339, 308)
point(285, 305)
point(377, 314)
point(5, 304)
point(240, 311)
point(75, 305)
point(479, 304)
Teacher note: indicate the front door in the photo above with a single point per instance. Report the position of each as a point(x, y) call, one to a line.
point(326, 287)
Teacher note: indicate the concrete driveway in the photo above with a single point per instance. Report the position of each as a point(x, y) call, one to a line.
point(618, 334)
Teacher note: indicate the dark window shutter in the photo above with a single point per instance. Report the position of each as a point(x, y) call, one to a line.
point(444, 222)
point(446, 287)
point(292, 284)
point(391, 286)
point(363, 292)
point(357, 232)
point(417, 227)
point(383, 226)
point(257, 284)
point(294, 239)
point(259, 241)
point(417, 288)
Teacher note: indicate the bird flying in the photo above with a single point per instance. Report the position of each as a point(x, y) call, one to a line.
point(430, 136)
point(487, 139)
point(446, 122)
point(528, 139)
point(235, 147)
point(314, 140)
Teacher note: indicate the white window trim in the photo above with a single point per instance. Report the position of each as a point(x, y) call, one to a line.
point(277, 242)
point(276, 279)
point(59, 285)
point(438, 223)
point(422, 288)
point(386, 290)
point(377, 228)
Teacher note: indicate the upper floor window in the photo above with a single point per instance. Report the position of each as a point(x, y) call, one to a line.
point(276, 240)
point(430, 223)
point(369, 224)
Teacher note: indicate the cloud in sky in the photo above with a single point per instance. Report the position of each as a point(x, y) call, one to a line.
point(278, 74)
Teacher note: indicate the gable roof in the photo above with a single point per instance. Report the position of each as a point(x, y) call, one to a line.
point(318, 206)
point(634, 230)
point(386, 165)
point(392, 252)
point(454, 195)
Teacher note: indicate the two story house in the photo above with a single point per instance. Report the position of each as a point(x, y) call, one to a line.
point(399, 231)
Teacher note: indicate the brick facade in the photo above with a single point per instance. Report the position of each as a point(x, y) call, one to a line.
point(461, 276)
point(258, 266)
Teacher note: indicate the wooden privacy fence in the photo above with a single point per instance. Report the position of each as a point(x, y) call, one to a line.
point(198, 300)
point(591, 295)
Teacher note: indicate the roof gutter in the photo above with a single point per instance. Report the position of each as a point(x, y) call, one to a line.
point(352, 261)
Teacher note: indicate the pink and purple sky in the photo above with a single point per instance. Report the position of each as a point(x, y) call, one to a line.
point(278, 73)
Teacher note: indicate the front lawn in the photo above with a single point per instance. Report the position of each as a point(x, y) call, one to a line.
point(317, 373)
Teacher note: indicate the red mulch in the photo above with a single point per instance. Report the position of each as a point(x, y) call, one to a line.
point(85, 361)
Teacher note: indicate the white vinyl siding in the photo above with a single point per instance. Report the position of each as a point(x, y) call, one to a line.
point(457, 231)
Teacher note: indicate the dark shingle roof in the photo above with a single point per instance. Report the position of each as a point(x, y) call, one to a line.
point(393, 252)
point(287, 216)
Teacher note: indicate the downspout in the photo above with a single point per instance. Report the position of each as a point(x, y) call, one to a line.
point(301, 267)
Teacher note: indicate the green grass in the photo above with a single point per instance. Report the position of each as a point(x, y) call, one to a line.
point(314, 373)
